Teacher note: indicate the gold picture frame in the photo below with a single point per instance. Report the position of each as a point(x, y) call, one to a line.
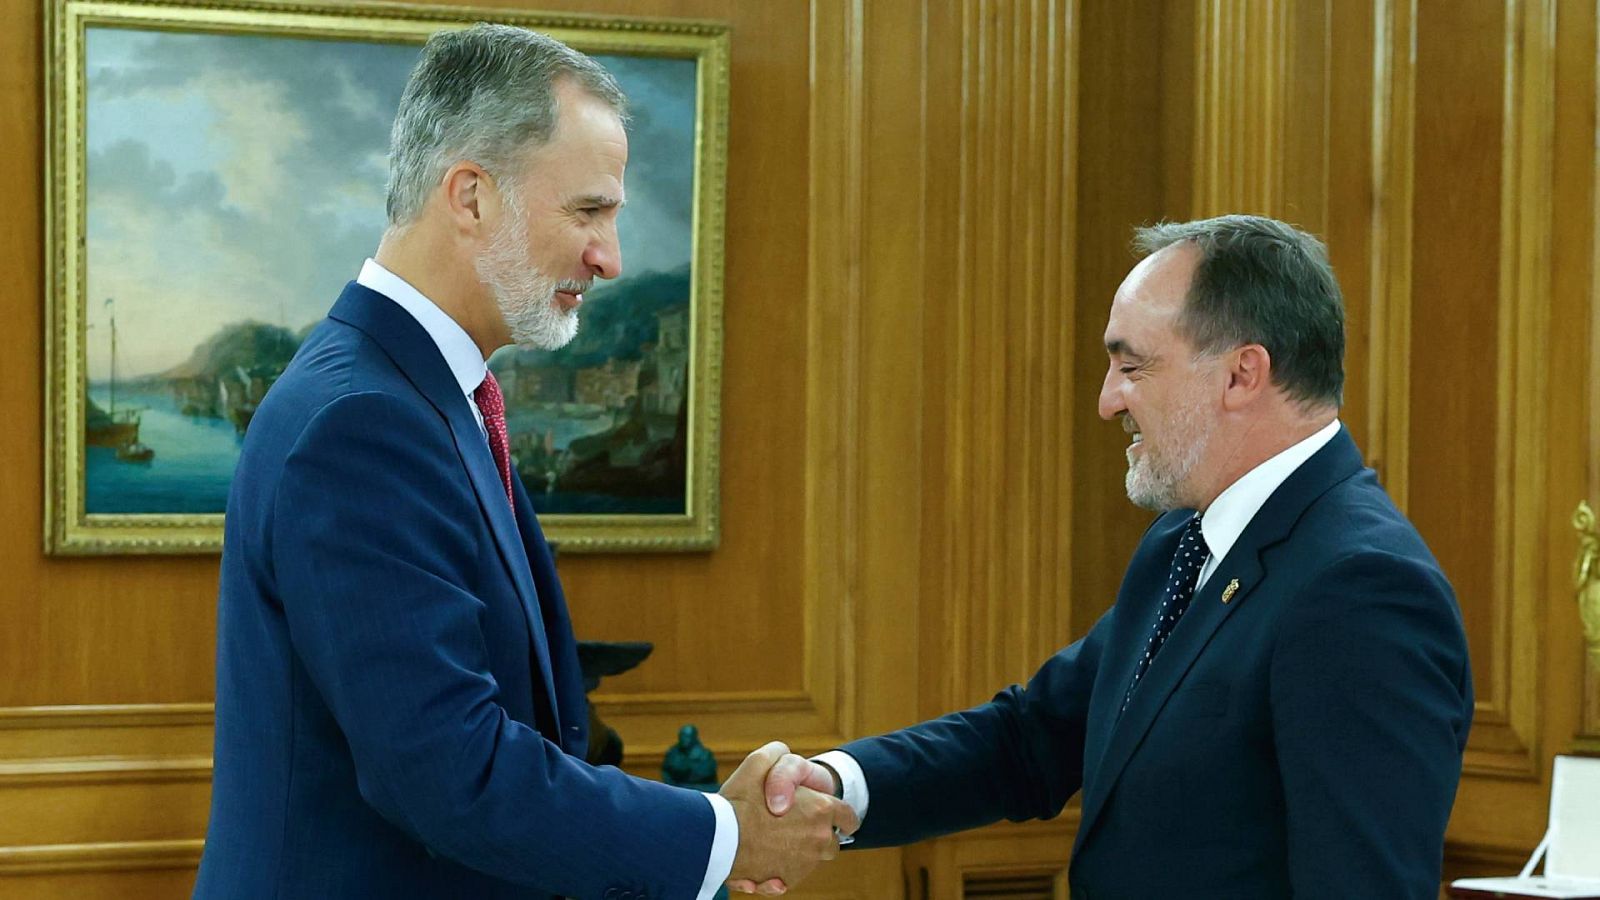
point(126, 215)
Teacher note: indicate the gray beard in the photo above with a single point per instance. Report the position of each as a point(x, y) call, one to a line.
point(1155, 483)
point(525, 295)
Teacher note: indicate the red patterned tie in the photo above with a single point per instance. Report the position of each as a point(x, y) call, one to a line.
point(493, 406)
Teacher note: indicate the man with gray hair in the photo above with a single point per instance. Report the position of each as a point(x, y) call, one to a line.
point(1278, 701)
point(399, 706)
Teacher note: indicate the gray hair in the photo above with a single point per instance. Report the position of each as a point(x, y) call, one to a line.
point(1261, 281)
point(485, 94)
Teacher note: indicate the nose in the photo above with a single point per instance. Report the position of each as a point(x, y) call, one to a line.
point(603, 256)
point(1111, 404)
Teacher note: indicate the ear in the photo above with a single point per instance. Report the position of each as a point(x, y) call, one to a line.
point(468, 197)
point(1249, 376)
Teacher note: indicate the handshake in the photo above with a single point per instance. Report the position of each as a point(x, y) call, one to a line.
point(789, 819)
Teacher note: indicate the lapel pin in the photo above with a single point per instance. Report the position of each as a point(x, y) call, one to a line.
point(1228, 592)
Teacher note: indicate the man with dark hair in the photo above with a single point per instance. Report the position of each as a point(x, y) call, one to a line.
point(1278, 701)
point(400, 711)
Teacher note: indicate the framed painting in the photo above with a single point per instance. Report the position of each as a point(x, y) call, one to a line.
point(216, 175)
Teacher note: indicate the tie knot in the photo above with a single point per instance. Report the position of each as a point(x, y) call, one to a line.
point(490, 401)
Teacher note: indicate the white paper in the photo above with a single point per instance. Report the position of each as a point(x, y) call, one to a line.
point(1574, 819)
point(1556, 888)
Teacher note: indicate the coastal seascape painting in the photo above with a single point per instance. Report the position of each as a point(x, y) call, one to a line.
point(233, 182)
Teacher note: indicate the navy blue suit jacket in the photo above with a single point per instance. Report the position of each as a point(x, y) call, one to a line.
point(1303, 739)
point(399, 707)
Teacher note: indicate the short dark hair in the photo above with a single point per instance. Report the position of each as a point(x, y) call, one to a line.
point(484, 93)
point(1261, 281)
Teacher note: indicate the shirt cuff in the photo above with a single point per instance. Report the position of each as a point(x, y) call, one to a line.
point(723, 846)
point(852, 781)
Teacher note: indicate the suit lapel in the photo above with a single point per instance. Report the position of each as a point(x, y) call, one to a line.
point(1271, 525)
point(1206, 614)
point(559, 663)
point(1136, 605)
point(414, 352)
point(474, 450)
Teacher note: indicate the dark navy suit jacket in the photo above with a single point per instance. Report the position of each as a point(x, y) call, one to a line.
point(399, 707)
point(1303, 739)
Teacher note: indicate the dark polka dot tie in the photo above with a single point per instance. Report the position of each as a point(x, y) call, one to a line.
point(1175, 597)
point(492, 404)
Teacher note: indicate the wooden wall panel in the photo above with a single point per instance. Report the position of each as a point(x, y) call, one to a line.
point(1002, 397)
point(1575, 417)
point(105, 790)
point(1428, 240)
point(754, 641)
point(1134, 160)
point(1482, 412)
point(1456, 191)
point(1577, 162)
point(1242, 70)
point(929, 209)
point(1378, 355)
point(877, 687)
point(175, 880)
point(1460, 99)
point(1002, 328)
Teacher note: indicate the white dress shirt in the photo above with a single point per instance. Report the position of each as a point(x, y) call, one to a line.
point(467, 365)
point(1228, 515)
point(460, 351)
point(1225, 519)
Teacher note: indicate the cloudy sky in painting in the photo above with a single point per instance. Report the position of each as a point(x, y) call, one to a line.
point(239, 177)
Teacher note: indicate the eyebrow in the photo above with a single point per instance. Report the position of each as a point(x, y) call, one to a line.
point(1119, 347)
point(604, 201)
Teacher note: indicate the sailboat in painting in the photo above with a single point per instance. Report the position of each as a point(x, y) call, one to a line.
point(117, 428)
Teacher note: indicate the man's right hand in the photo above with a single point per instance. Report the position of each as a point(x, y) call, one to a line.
point(776, 853)
point(793, 771)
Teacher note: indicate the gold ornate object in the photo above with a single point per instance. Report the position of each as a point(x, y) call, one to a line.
point(1228, 592)
point(1586, 578)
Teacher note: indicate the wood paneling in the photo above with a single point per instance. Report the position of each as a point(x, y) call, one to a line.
point(1487, 374)
point(1001, 397)
point(1460, 95)
point(1455, 187)
point(929, 209)
point(1001, 327)
point(946, 869)
point(131, 880)
point(754, 641)
point(1429, 241)
point(106, 790)
point(1242, 67)
point(1379, 354)
point(1134, 158)
point(1576, 266)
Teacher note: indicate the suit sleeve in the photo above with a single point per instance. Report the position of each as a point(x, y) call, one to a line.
point(373, 541)
point(1017, 757)
point(1371, 700)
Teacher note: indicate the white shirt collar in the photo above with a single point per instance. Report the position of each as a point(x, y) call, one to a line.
point(457, 347)
point(1233, 509)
